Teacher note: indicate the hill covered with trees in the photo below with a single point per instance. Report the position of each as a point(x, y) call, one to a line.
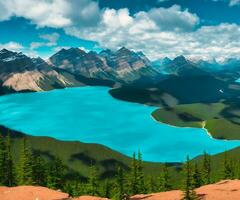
point(30, 167)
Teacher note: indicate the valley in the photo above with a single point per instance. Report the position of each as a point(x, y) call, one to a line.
point(119, 99)
point(103, 107)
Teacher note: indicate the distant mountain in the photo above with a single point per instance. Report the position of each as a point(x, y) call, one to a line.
point(160, 64)
point(21, 73)
point(123, 65)
point(228, 70)
point(229, 64)
point(182, 79)
point(180, 66)
point(210, 66)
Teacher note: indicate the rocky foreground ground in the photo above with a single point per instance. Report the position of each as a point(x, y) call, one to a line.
point(224, 190)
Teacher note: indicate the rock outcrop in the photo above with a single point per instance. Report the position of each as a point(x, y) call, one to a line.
point(223, 190)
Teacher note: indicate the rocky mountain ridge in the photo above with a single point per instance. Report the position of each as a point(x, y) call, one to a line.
point(124, 65)
point(75, 67)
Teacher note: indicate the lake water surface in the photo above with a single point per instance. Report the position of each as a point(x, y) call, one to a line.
point(90, 114)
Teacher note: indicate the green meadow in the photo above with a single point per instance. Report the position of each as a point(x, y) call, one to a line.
point(222, 119)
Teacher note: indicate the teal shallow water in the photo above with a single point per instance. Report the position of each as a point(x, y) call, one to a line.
point(90, 114)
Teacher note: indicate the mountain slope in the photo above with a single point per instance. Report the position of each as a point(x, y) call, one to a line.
point(121, 66)
point(21, 73)
point(174, 90)
point(180, 66)
point(77, 156)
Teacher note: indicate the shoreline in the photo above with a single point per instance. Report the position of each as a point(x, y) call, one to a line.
point(203, 127)
point(187, 127)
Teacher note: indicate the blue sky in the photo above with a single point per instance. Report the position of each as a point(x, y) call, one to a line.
point(198, 29)
point(23, 32)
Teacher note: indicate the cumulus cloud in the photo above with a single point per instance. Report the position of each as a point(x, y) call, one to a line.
point(158, 32)
point(163, 32)
point(41, 12)
point(13, 46)
point(173, 18)
point(118, 28)
point(52, 13)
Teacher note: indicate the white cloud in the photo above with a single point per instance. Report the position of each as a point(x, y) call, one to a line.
point(52, 13)
point(207, 42)
point(173, 18)
point(163, 32)
point(50, 41)
point(230, 2)
point(13, 46)
point(51, 38)
point(117, 28)
point(234, 2)
point(158, 32)
point(4, 11)
point(41, 12)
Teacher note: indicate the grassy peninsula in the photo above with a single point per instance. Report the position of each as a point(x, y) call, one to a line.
point(221, 119)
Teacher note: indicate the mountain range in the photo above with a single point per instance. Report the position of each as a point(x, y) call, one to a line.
point(122, 66)
point(72, 67)
point(228, 70)
point(183, 80)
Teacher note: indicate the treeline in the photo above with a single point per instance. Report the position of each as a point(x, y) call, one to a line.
point(29, 169)
point(32, 169)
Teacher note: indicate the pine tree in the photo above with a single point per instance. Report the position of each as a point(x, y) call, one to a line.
point(39, 171)
point(206, 169)
point(237, 172)
point(9, 162)
point(151, 185)
point(197, 181)
point(93, 184)
point(2, 161)
point(228, 166)
point(25, 173)
point(133, 176)
point(164, 182)
point(189, 193)
point(75, 188)
point(119, 188)
point(107, 189)
point(140, 175)
point(55, 173)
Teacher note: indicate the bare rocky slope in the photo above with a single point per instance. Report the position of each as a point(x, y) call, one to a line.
point(72, 67)
point(223, 190)
point(21, 73)
point(123, 66)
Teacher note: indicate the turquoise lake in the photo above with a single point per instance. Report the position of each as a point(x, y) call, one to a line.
point(91, 115)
